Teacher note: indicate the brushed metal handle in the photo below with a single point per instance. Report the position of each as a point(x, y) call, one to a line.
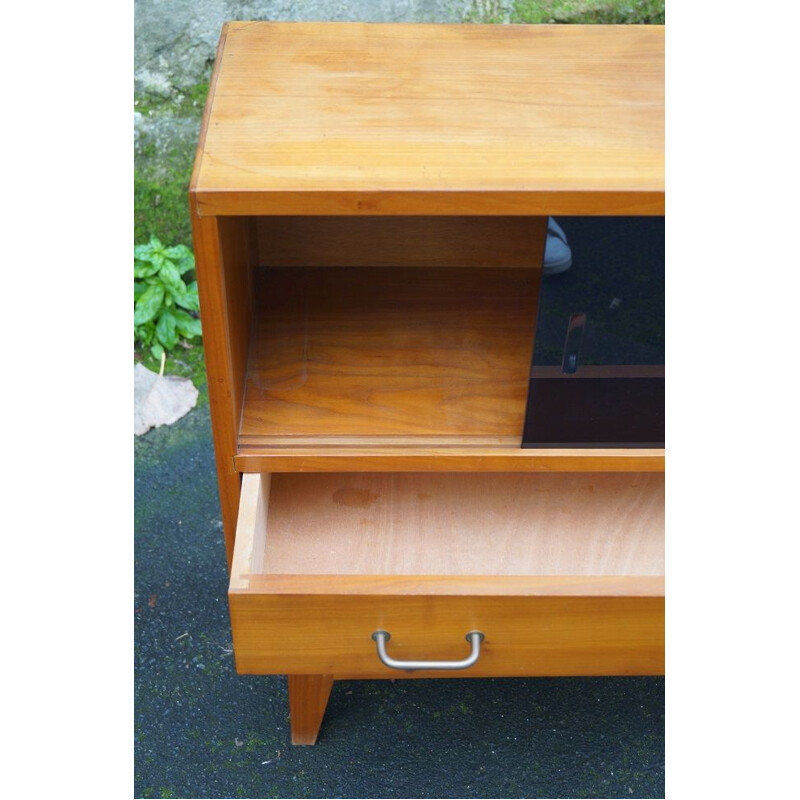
point(473, 637)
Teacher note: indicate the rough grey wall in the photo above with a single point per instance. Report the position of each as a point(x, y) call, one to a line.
point(175, 40)
point(175, 43)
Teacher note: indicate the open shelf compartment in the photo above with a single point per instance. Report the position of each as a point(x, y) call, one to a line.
point(376, 356)
point(378, 345)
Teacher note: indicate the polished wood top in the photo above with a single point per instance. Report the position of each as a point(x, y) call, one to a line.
point(356, 118)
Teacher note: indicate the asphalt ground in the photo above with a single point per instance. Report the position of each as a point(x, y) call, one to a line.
point(201, 730)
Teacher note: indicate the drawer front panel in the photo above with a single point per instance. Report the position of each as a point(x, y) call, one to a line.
point(539, 635)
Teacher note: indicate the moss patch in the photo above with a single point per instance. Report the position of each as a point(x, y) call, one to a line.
point(616, 12)
point(161, 208)
point(187, 102)
point(167, 130)
point(162, 169)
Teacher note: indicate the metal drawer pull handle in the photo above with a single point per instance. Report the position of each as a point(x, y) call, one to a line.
point(473, 637)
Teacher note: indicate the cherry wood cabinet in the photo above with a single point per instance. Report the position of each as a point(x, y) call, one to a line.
point(369, 205)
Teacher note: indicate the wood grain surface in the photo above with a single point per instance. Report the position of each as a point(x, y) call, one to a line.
point(456, 585)
point(596, 622)
point(329, 349)
point(401, 241)
point(251, 530)
point(389, 352)
point(308, 698)
point(439, 458)
point(470, 524)
point(224, 252)
point(540, 635)
point(353, 118)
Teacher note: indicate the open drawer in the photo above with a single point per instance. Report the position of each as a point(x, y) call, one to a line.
point(562, 573)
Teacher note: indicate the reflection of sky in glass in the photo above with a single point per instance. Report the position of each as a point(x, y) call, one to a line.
point(617, 280)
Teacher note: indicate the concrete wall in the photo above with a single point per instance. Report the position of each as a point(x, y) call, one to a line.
point(175, 40)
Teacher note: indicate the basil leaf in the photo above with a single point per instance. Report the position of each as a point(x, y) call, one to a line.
point(144, 333)
point(148, 305)
point(166, 330)
point(187, 325)
point(171, 277)
point(177, 253)
point(143, 269)
point(189, 299)
point(186, 264)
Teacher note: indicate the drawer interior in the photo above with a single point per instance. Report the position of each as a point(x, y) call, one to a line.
point(563, 573)
point(591, 525)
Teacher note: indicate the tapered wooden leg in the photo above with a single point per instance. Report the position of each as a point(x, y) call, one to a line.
point(308, 698)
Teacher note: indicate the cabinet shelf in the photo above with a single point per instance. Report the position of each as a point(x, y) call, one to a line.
point(397, 368)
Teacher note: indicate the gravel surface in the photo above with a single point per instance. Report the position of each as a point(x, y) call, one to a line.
point(203, 731)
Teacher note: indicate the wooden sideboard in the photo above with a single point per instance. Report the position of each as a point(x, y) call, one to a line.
point(369, 205)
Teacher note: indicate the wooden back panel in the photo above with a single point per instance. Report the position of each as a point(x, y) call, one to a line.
point(361, 354)
point(401, 241)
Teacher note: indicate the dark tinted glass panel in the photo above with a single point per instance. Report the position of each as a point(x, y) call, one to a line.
point(597, 377)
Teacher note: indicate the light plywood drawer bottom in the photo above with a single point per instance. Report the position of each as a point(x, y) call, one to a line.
point(562, 573)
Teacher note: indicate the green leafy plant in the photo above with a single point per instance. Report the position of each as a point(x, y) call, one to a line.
point(487, 11)
point(164, 304)
point(618, 12)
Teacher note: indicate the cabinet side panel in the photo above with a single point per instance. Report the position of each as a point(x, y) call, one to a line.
point(224, 251)
point(237, 244)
